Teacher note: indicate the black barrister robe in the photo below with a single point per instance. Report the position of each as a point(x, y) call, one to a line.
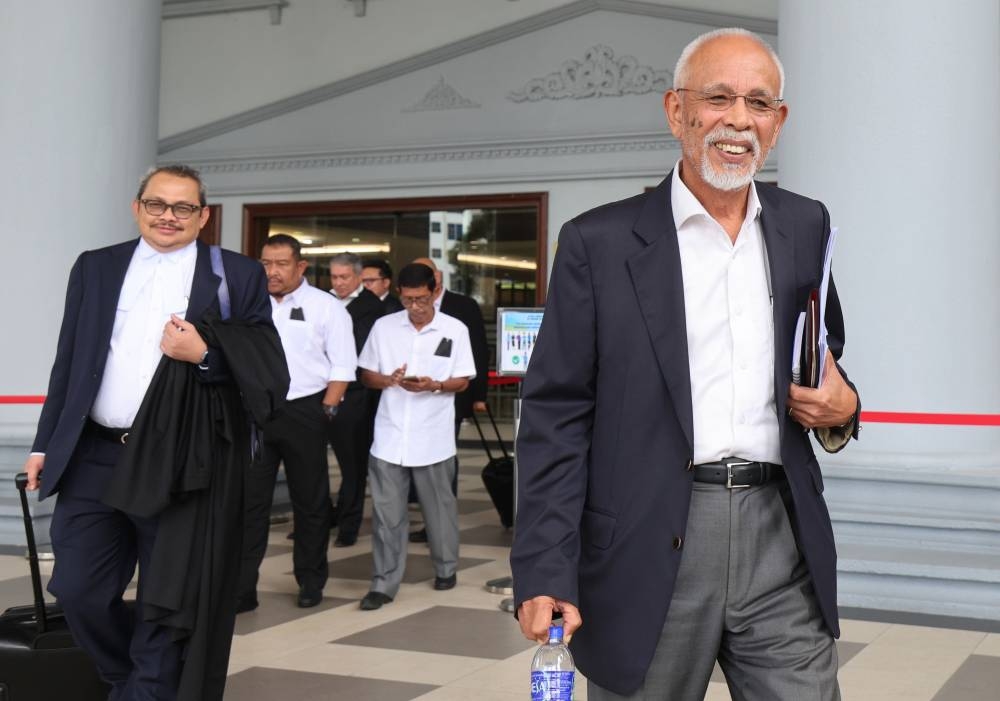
point(185, 461)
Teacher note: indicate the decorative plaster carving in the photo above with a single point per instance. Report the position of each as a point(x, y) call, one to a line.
point(442, 97)
point(417, 155)
point(600, 74)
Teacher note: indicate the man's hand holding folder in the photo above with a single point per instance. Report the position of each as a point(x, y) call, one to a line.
point(832, 404)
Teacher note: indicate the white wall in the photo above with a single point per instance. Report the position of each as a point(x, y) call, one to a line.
point(219, 65)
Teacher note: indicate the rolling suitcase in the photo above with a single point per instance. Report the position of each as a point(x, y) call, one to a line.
point(498, 475)
point(38, 659)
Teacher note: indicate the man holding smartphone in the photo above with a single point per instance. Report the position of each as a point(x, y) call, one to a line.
point(419, 358)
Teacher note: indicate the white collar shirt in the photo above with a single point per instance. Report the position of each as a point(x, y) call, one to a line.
point(349, 298)
point(414, 429)
point(156, 285)
point(317, 336)
point(730, 331)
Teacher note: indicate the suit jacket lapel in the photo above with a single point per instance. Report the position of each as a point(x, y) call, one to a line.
point(204, 285)
point(111, 282)
point(656, 276)
point(781, 260)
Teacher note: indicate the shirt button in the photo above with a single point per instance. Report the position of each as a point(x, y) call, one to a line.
point(678, 542)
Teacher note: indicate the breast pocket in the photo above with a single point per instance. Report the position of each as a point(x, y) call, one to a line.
point(299, 335)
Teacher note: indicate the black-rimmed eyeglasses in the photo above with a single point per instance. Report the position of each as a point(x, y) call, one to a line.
point(181, 210)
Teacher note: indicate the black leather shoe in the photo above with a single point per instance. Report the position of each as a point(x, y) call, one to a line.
point(345, 541)
point(444, 583)
point(309, 598)
point(246, 603)
point(419, 536)
point(375, 600)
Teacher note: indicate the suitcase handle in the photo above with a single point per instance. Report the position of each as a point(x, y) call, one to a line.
point(496, 430)
point(21, 482)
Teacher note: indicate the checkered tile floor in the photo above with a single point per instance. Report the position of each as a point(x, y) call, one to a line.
point(458, 645)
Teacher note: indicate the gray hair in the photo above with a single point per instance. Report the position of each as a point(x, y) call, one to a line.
point(351, 259)
point(681, 70)
point(178, 171)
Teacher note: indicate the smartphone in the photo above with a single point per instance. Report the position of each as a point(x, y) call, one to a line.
point(411, 378)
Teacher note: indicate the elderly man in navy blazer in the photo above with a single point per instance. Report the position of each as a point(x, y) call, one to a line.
point(670, 505)
point(127, 306)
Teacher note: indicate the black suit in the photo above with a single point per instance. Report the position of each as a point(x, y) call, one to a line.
point(467, 310)
point(391, 304)
point(97, 546)
point(352, 428)
point(606, 425)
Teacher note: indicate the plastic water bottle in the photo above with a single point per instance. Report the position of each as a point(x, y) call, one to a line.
point(552, 670)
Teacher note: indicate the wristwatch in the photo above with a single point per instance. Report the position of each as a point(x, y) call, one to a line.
point(440, 388)
point(203, 363)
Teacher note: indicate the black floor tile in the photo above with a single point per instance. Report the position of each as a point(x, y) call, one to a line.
point(978, 679)
point(448, 630)
point(276, 608)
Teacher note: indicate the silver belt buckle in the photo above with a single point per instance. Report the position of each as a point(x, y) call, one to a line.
point(729, 474)
point(124, 438)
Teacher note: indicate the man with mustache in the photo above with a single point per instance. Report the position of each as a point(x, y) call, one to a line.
point(669, 502)
point(316, 336)
point(165, 351)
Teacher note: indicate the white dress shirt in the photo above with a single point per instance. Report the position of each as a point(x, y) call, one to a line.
point(416, 428)
point(730, 331)
point(156, 285)
point(319, 346)
point(349, 298)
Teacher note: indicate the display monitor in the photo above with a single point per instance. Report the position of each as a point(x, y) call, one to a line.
point(517, 329)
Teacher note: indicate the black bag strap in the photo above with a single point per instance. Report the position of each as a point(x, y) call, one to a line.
point(21, 481)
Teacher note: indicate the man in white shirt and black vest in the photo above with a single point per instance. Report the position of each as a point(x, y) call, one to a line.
point(319, 346)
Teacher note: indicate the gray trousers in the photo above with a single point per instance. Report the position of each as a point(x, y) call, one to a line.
point(743, 596)
point(389, 485)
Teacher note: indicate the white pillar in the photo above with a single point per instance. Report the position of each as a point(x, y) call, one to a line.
point(893, 125)
point(78, 127)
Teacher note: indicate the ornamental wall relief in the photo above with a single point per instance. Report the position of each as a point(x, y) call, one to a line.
point(442, 97)
point(600, 74)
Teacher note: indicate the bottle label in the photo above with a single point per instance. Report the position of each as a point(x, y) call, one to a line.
point(552, 686)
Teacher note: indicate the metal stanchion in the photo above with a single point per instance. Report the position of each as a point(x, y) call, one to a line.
point(505, 585)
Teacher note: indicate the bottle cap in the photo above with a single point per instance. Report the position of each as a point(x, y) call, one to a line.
point(555, 633)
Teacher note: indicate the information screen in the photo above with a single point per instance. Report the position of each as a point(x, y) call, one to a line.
point(517, 329)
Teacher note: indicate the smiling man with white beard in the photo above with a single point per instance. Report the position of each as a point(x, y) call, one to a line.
point(670, 504)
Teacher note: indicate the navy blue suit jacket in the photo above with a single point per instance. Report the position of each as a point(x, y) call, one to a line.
point(606, 428)
point(95, 283)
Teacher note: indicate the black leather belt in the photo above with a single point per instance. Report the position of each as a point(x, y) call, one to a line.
point(736, 472)
point(115, 435)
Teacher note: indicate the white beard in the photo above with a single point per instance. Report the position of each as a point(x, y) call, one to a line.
point(732, 177)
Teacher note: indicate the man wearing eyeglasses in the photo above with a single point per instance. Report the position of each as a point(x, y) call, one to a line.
point(144, 425)
point(670, 505)
point(376, 275)
point(419, 358)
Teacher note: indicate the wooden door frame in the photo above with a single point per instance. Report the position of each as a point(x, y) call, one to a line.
point(253, 214)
